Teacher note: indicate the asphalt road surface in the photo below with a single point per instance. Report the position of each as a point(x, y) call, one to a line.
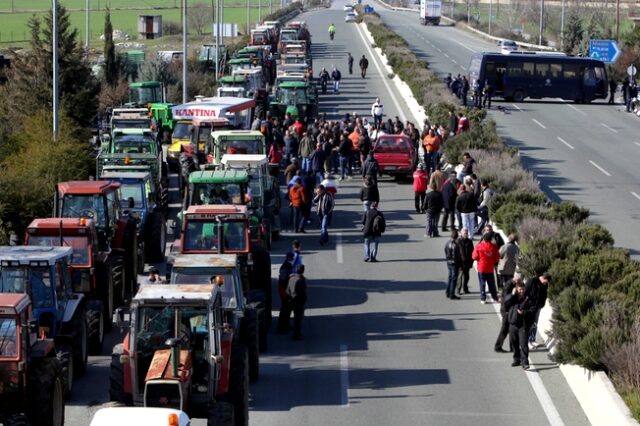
point(582, 153)
point(383, 346)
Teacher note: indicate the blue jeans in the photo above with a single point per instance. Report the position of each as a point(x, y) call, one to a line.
point(534, 328)
point(306, 164)
point(319, 176)
point(336, 86)
point(369, 251)
point(345, 168)
point(325, 222)
point(377, 121)
point(298, 218)
point(469, 222)
point(432, 224)
point(366, 205)
point(487, 278)
point(431, 161)
point(454, 270)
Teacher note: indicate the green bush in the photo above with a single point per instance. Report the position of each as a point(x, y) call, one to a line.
point(566, 211)
point(518, 197)
point(588, 239)
point(538, 255)
point(509, 214)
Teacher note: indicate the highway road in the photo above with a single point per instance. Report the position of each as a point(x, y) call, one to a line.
point(383, 346)
point(582, 153)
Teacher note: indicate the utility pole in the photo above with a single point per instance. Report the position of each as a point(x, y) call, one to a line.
point(562, 27)
point(259, 11)
point(271, 7)
point(541, 20)
point(55, 70)
point(184, 52)
point(617, 20)
point(490, 14)
point(248, 16)
point(87, 40)
point(468, 13)
point(217, 37)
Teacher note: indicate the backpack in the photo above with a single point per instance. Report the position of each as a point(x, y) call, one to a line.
point(379, 225)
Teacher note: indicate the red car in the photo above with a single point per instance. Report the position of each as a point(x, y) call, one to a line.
point(395, 155)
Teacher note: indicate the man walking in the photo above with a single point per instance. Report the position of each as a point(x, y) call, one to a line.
point(612, 90)
point(508, 260)
point(369, 193)
point(373, 226)
point(336, 75)
point(466, 253)
point(487, 256)
point(306, 148)
point(371, 168)
point(324, 201)
point(504, 325)
point(350, 62)
point(298, 199)
point(520, 312)
point(318, 158)
point(345, 152)
point(487, 94)
point(449, 197)
point(466, 205)
point(297, 294)
point(454, 262)
point(536, 289)
point(419, 187)
point(377, 112)
point(286, 269)
point(364, 64)
point(433, 206)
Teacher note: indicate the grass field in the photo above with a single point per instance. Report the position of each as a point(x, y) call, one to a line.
point(13, 26)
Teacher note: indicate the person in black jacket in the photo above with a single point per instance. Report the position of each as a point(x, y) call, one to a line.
point(317, 163)
point(433, 206)
point(466, 205)
point(449, 197)
point(536, 289)
point(466, 252)
point(454, 262)
point(286, 269)
point(369, 193)
point(520, 312)
point(371, 168)
point(371, 236)
point(297, 294)
point(504, 328)
point(345, 151)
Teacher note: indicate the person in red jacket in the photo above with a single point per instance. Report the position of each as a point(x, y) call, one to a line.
point(420, 179)
point(487, 255)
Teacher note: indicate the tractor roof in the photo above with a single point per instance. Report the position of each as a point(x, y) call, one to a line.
point(238, 134)
point(232, 79)
point(175, 293)
point(13, 303)
point(87, 187)
point(219, 176)
point(124, 174)
point(293, 85)
point(120, 170)
point(205, 261)
point(54, 223)
point(250, 49)
point(240, 61)
point(145, 84)
point(216, 209)
point(34, 255)
point(244, 160)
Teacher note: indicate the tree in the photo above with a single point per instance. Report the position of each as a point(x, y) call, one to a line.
point(199, 16)
point(31, 76)
point(111, 72)
point(573, 35)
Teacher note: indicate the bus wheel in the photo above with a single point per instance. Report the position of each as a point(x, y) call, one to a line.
point(518, 96)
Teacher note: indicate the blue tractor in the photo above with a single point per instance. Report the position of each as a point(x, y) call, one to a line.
point(43, 273)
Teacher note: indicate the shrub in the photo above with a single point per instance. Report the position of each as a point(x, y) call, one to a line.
point(589, 238)
point(538, 255)
point(503, 170)
point(567, 212)
point(171, 28)
point(518, 197)
point(535, 228)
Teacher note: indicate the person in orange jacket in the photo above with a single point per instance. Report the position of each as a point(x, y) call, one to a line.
point(487, 255)
point(431, 144)
point(420, 178)
point(298, 199)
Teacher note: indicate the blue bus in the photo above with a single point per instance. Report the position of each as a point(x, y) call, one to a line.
point(536, 75)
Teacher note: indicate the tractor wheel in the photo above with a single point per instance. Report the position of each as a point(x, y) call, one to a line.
point(65, 357)
point(258, 304)
point(95, 320)
point(261, 275)
point(238, 394)
point(155, 238)
point(119, 279)
point(220, 414)
point(116, 377)
point(105, 290)
point(250, 337)
point(80, 342)
point(46, 394)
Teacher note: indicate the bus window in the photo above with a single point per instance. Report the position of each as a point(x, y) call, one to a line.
point(569, 71)
point(542, 70)
point(556, 71)
point(515, 70)
point(589, 77)
point(527, 69)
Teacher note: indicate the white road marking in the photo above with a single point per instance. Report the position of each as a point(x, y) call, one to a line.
point(572, 107)
point(538, 123)
point(465, 46)
point(454, 61)
point(383, 75)
point(600, 168)
point(344, 376)
point(446, 56)
point(610, 128)
point(635, 195)
point(565, 142)
point(516, 107)
point(174, 205)
point(339, 254)
point(549, 408)
point(463, 68)
point(637, 143)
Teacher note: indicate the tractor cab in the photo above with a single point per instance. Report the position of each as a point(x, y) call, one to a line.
point(208, 187)
point(131, 118)
point(248, 142)
point(145, 92)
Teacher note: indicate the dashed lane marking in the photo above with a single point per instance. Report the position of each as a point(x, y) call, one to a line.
point(344, 376)
point(600, 168)
point(565, 142)
point(538, 123)
point(339, 254)
point(609, 127)
point(517, 107)
point(465, 46)
point(635, 195)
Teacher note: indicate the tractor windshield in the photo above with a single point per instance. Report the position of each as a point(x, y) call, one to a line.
point(132, 191)
point(294, 96)
point(242, 146)
point(8, 338)
point(145, 95)
point(80, 246)
point(182, 131)
point(202, 276)
point(217, 193)
point(36, 282)
point(203, 236)
point(118, 123)
point(88, 206)
point(132, 145)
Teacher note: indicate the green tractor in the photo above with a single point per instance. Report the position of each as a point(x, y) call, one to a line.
point(297, 98)
point(150, 94)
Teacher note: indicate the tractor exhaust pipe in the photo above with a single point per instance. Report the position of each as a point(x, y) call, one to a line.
point(175, 355)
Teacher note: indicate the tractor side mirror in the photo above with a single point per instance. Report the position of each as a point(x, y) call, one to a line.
point(33, 326)
point(120, 317)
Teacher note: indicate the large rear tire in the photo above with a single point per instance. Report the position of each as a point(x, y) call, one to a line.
point(250, 337)
point(221, 414)
point(46, 394)
point(116, 377)
point(65, 358)
point(119, 280)
point(95, 321)
point(238, 394)
point(105, 290)
point(80, 342)
point(155, 238)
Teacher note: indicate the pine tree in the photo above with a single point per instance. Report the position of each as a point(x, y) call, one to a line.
point(111, 72)
point(573, 35)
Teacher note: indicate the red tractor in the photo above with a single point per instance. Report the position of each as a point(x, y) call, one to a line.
point(93, 273)
point(99, 200)
point(31, 384)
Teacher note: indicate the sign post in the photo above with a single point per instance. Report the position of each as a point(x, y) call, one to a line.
point(604, 50)
point(632, 70)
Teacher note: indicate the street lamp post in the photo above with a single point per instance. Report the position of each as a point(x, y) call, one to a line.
point(55, 70)
point(184, 52)
point(562, 27)
point(541, 20)
point(87, 37)
point(490, 14)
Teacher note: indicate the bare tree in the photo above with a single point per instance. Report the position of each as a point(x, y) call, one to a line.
point(200, 17)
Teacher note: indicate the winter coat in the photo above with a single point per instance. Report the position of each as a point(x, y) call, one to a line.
point(508, 258)
point(433, 203)
point(449, 195)
point(370, 193)
point(466, 203)
point(367, 222)
point(466, 252)
point(297, 196)
point(420, 178)
point(487, 255)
